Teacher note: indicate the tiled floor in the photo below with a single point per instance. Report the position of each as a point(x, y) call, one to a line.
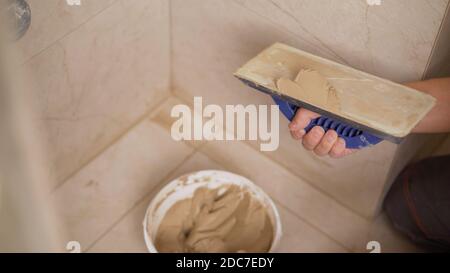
point(103, 205)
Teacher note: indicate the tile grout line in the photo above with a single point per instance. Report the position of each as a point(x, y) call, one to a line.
point(435, 42)
point(69, 32)
point(140, 200)
point(115, 140)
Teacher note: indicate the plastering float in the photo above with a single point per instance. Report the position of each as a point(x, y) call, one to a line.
point(363, 109)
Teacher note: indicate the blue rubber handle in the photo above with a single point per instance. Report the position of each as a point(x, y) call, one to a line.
point(354, 138)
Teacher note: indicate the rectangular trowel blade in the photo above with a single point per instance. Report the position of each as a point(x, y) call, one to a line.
point(379, 106)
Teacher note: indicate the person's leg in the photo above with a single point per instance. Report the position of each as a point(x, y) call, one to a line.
point(418, 202)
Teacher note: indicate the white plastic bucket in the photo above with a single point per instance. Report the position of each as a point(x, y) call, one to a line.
point(185, 186)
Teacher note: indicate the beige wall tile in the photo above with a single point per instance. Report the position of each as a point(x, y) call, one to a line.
point(98, 81)
point(52, 19)
point(90, 202)
point(211, 39)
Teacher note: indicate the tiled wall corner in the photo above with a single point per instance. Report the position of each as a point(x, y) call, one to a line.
point(439, 62)
point(211, 39)
point(97, 81)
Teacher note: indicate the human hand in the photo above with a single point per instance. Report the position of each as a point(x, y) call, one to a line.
point(316, 139)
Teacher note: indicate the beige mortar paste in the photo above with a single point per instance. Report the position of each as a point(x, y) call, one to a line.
point(311, 87)
point(224, 219)
point(363, 98)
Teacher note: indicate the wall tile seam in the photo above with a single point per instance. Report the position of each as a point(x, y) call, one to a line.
point(436, 41)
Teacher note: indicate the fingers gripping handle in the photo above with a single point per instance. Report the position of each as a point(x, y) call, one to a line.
point(354, 138)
